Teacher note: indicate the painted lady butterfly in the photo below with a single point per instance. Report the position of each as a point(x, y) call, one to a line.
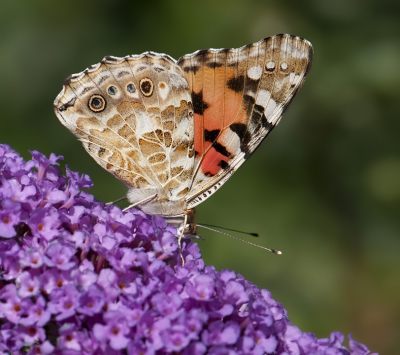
point(175, 131)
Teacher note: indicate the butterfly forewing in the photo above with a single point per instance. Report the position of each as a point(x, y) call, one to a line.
point(239, 96)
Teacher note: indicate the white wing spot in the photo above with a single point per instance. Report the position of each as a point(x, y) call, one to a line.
point(263, 97)
point(294, 79)
point(163, 90)
point(270, 66)
point(255, 72)
point(284, 65)
point(269, 109)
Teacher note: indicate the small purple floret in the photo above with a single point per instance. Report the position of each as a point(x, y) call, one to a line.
point(80, 277)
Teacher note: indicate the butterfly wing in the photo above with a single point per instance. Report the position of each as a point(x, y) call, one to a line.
point(239, 96)
point(134, 116)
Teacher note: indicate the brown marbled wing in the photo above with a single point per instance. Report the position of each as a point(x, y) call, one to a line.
point(134, 117)
point(239, 96)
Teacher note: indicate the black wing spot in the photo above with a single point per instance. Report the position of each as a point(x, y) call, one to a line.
point(200, 59)
point(199, 106)
point(223, 164)
point(259, 109)
point(146, 87)
point(236, 84)
point(123, 73)
point(213, 65)
point(141, 68)
point(248, 102)
point(194, 69)
point(202, 53)
point(103, 78)
point(158, 70)
point(239, 128)
point(267, 125)
point(256, 117)
point(86, 89)
point(70, 103)
point(252, 85)
point(221, 149)
point(211, 136)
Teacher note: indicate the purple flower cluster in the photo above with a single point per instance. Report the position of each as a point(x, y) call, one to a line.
point(80, 277)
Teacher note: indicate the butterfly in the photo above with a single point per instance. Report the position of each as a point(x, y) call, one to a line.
point(175, 131)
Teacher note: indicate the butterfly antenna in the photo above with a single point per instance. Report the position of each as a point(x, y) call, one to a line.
point(277, 252)
point(117, 200)
point(232, 230)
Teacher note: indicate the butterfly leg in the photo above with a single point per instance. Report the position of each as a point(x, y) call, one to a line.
point(180, 237)
point(142, 202)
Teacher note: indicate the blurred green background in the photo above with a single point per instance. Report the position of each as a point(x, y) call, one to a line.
point(324, 187)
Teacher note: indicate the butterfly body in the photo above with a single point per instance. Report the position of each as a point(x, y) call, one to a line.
point(175, 131)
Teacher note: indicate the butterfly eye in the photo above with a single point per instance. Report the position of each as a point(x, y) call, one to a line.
point(97, 103)
point(146, 87)
point(112, 90)
point(131, 88)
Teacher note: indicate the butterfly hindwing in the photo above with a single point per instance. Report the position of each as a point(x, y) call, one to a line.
point(239, 96)
point(134, 117)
